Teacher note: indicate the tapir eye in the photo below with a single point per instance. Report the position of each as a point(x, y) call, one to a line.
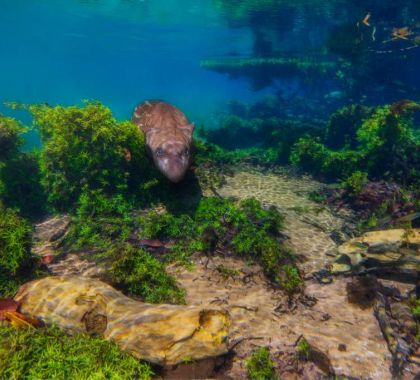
point(159, 152)
point(186, 152)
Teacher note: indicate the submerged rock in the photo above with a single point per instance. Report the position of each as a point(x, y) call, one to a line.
point(388, 252)
point(161, 334)
point(49, 234)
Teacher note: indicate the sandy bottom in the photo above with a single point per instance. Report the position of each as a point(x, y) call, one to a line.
point(260, 314)
point(255, 308)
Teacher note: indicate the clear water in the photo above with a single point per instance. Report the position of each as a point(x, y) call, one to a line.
point(123, 51)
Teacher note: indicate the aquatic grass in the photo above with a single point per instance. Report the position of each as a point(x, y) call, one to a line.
point(86, 147)
point(245, 228)
point(260, 366)
point(138, 273)
point(386, 146)
point(30, 353)
point(20, 178)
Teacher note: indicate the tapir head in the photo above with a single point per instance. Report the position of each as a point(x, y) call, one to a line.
point(172, 159)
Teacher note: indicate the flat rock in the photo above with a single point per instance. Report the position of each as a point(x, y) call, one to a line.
point(393, 251)
point(161, 334)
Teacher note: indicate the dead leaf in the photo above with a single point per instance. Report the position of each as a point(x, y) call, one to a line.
point(19, 320)
point(152, 243)
point(47, 259)
point(7, 305)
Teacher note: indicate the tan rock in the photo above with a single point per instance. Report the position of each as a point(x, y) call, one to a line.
point(161, 334)
point(387, 251)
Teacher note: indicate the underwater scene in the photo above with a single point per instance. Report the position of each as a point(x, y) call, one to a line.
point(212, 189)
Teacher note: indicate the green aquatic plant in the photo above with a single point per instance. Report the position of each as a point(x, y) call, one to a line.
point(227, 272)
point(22, 189)
point(315, 157)
point(303, 349)
point(15, 242)
point(387, 147)
point(99, 220)
point(343, 125)
point(138, 273)
point(102, 225)
point(355, 183)
point(291, 280)
point(247, 229)
point(86, 147)
point(260, 366)
point(11, 138)
point(16, 260)
point(388, 142)
point(30, 353)
point(20, 179)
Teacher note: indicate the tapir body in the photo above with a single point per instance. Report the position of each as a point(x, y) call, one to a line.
point(169, 137)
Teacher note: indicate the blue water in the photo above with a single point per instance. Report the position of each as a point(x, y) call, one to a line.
point(121, 52)
point(63, 51)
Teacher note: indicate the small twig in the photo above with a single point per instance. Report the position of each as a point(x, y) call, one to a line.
point(248, 308)
point(241, 339)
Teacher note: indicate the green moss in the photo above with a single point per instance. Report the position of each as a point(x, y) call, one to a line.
point(343, 125)
point(16, 260)
point(303, 349)
point(99, 221)
point(355, 183)
point(138, 273)
point(226, 272)
point(260, 366)
point(246, 229)
point(11, 138)
point(291, 280)
point(85, 147)
point(387, 146)
point(20, 179)
point(51, 354)
point(316, 196)
point(414, 304)
point(316, 158)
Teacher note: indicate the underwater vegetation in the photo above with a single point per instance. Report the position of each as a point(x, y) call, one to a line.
point(19, 172)
point(371, 153)
point(84, 148)
point(49, 353)
point(381, 141)
point(84, 172)
point(16, 261)
point(260, 366)
point(246, 229)
point(386, 145)
point(263, 71)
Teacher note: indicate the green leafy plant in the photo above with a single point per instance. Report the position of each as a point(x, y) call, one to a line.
point(303, 349)
point(20, 179)
point(291, 280)
point(355, 183)
point(51, 354)
point(139, 274)
point(86, 147)
point(260, 366)
point(16, 260)
point(247, 229)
